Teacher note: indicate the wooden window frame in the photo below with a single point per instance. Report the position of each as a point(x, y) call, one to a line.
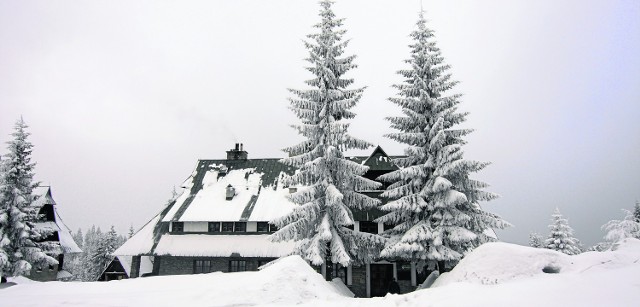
point(236, 227)
point(265, 227)
point(237, 265)
point(177, 226)
point(227, 224)
point(214, 227)
point(202, 266)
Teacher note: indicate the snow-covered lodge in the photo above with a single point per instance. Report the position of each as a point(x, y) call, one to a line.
point(46, 207)
point(221, 223)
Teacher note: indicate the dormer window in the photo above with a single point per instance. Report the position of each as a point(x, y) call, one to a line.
point(231, 192)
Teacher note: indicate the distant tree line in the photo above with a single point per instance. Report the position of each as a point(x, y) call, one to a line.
point(97, 248)
point(561, 237)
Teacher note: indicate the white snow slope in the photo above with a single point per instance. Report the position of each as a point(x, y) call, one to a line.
point(495, 274)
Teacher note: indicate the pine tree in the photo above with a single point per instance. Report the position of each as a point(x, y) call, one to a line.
point(561, 236)
point(433, 202)
point(131, 232)
point(636, 212)
point(320, 223)
point(89, 269)
point(102, 255)
point(536, 240)
point(620, 229)
point(79, 238)
point(20, 239)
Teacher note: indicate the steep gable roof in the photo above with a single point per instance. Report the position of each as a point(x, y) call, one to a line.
point(43, 197)
point(379, 161)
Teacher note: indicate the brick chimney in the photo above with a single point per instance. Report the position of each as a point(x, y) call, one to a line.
point(237, 153)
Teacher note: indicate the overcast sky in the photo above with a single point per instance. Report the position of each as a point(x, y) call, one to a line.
point(123, 97)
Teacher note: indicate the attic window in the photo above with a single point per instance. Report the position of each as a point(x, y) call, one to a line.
point(231, 192)
point(292, 190)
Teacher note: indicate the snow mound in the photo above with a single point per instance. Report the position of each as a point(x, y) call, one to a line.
point(495, 263)
point(287, 281)
point(292, 279)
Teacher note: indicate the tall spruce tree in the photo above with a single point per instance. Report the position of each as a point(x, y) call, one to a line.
point(433, 202)
point(636, 212)
point(320, 223)
point(20, 239)
point(561, 236)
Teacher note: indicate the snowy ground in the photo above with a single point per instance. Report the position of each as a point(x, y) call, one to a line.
point(496, 274)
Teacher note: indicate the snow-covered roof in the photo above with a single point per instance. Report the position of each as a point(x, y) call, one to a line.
point(222, 246)
point(259, 194)
point(43, 197)
point(142, 241)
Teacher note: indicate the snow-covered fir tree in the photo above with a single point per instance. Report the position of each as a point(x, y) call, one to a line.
point(561, 236)
point(617, 230)
point(329, 182)
point(131, 232)
point(433, 202)
point(536, 240)
point(20, 239)
point(636, 212)
point(102, 254)
point(88, 268)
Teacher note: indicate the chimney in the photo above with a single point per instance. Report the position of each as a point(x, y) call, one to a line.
point(237, 153)
point(230, 192)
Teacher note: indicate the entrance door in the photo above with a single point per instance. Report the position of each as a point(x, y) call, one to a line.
point(381, 276)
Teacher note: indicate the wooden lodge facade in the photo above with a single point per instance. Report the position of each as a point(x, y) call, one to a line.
point(221, 223)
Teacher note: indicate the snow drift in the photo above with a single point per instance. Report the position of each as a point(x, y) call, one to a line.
point(494, 263)
point(495, 274)
point(289, 280)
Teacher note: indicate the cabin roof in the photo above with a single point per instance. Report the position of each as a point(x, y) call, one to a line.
point(259, 195)
point(43, 197)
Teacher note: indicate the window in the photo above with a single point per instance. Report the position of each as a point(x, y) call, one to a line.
point(404, 270)
point(273, 228)
point(177, 227)
point(237, 266)
point(240, 227)
point(227, 226)
point(263, 262)
point(214, 226)
point(263, 227)
point(201, 266)
point(369, 227)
